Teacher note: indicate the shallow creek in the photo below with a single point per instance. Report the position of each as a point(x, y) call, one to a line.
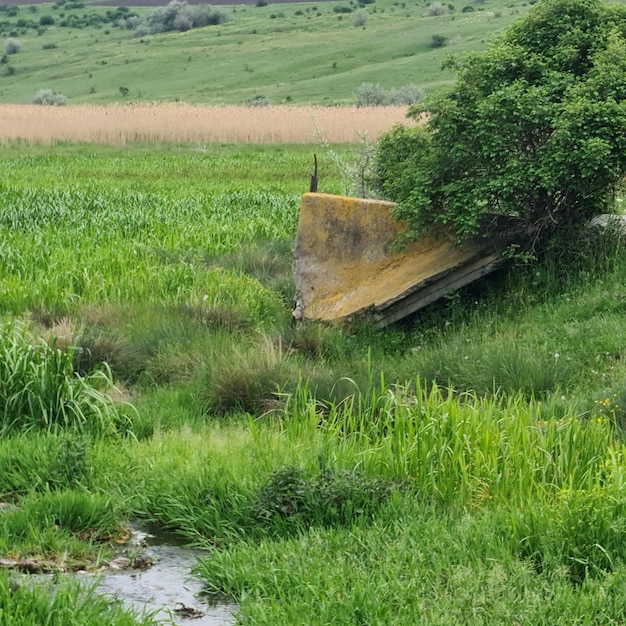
point(167, 586)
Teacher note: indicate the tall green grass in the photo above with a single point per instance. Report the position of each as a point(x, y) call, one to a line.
point(38, 390)
point(72, 603)
point(464, 466)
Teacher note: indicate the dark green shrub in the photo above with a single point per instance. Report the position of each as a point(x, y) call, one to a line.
point(437, 41)
point(12, 46)
point(331, 497)
point(504, 153)
point(47, 97)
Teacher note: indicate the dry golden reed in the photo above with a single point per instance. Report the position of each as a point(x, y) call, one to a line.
point(183, 123)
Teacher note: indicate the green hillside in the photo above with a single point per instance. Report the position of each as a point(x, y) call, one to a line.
point(300, 53)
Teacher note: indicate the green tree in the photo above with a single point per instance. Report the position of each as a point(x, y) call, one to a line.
point(532, 137)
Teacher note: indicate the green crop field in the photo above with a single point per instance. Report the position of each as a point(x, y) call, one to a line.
point(463, 467)
point(288, 53)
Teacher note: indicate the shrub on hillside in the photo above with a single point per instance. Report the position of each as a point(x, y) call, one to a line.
point(12, 46)
point(259, 101)
point(370, 95)
point(531, 140)
point(360, 18)
point(437, 41)
point(177, 16)
point(404, 95)
point(434, 9)
point(48, 97)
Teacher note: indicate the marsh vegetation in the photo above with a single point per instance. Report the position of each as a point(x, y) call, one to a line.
point(327, 472)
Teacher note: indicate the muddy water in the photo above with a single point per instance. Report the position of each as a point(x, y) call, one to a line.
point(166, 586)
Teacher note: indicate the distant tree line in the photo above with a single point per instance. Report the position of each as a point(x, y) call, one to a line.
point(177, 16)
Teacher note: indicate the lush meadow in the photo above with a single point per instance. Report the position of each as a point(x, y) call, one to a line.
point(465, 466)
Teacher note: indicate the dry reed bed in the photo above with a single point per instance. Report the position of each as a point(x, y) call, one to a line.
point(182, 123)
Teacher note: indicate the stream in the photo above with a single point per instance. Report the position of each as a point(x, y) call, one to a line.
point(166, 587)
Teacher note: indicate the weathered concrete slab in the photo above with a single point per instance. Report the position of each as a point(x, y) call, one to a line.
point(347, 265)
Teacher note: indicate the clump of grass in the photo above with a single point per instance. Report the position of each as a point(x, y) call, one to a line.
point(215, 316)
point(247, 381)
point(40, 462)
point(93, 350)
point(39, 391)
point(60, 605)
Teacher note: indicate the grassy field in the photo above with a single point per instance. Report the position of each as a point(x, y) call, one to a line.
point(463, 467)
point(272, 51)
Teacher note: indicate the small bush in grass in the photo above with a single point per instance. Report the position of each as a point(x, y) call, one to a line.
point(259, 101)
point(435, 9)
point(369, 95)
point(360, 18)
point(47, 97)
point(260, 3)
point(215, 316)
point(405, 95)
point(12, 46)
point(46, 20)
point(437, 41)
point(332, 497)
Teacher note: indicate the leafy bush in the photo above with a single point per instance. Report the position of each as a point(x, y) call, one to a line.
point(177, 16)
point(339, 8)
point(48, 97)
point(434, 9)
point(259, 101)
point(46, 20)
point(405, 95)
point(437, 41)
point(329, 498)
point(360, 18)
point(369, 95)
point(12, 46)
point(532, 138)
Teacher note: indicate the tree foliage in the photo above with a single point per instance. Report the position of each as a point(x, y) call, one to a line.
point(531, 138)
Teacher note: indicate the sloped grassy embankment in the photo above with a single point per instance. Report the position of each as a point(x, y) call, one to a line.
point(464, 467)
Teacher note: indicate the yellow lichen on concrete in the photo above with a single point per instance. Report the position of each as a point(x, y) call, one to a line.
point(345, 258)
